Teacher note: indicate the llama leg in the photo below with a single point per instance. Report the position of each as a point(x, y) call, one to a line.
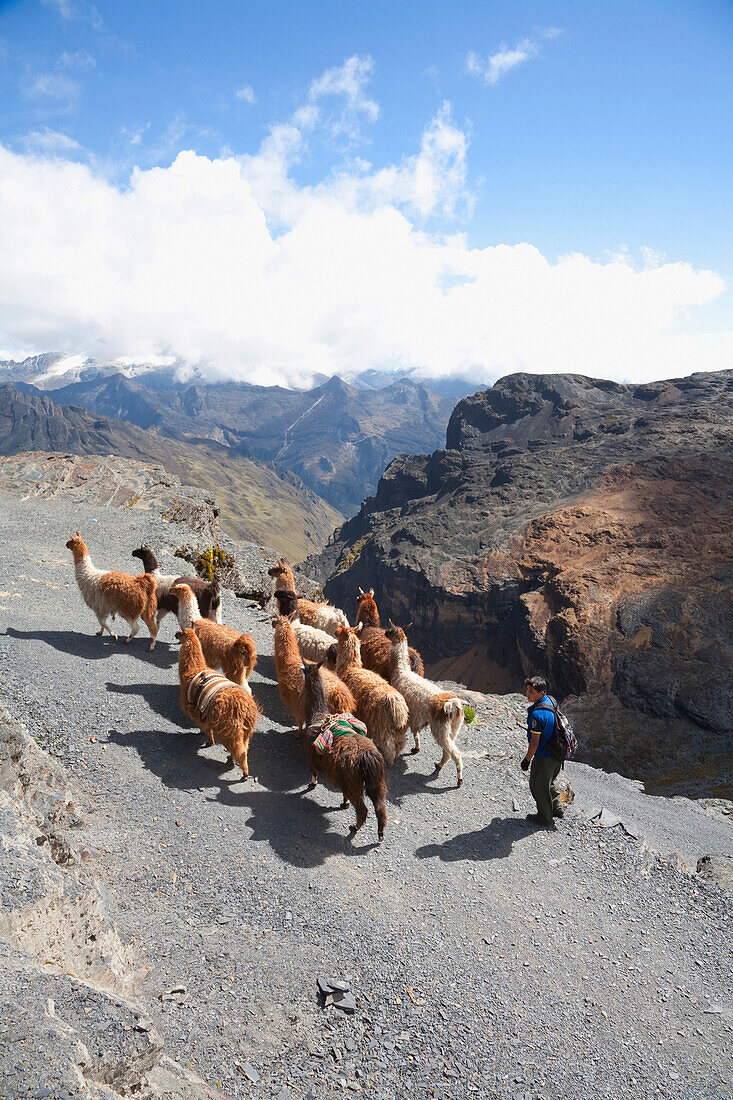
point(345, 804)
point(244, 761)
point(416, 746)
point(361, 813)
point(104, 625)
point(444, 741)
point(134, 627)
point(314, 781)
point(153, 628)
point(458, 761)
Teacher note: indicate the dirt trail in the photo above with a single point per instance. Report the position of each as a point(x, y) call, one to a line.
point(487, 958)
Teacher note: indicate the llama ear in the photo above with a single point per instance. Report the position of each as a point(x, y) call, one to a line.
point(361, 591)
point(322, 661)
point(407, 627)
point(371, 591)
point(78, 534)
point(358, 627)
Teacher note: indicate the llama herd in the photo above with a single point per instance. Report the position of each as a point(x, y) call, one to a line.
point(352, 691)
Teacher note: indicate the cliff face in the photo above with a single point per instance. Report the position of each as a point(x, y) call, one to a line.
point(577, 528)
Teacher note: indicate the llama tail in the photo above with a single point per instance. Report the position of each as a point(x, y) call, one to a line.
point(373, 772)
point(397, 713)
point(453, 710)
point(247, 653)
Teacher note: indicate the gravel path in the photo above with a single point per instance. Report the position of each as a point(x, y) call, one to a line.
point(487, 958)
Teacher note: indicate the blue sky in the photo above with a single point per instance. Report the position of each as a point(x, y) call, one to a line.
point(593, 128)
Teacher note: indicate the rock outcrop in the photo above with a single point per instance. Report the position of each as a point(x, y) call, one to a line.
point(577, 528)
point(69, 1019)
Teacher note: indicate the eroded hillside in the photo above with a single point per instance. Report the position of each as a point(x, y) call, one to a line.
point(577, 528)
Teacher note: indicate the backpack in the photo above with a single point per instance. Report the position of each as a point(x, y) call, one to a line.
point(563, 744)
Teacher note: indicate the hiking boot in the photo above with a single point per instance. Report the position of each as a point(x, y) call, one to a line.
point(535, 819)
point(559, 812)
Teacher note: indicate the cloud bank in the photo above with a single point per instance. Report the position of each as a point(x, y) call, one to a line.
point(231, 265)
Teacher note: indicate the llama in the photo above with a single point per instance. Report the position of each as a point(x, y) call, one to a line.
point(312, 642)
point(208, 594)
point(113, 593)
point(224, 711)
point(375, 646)
point(352, 763)
point(428, 704)
point(378, 705)
point(290, 682)
point(234, 653)
point(323, 616)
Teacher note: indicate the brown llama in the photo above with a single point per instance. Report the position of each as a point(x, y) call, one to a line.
point(378, 704)
point(323, 616)
point(113, 593)
point(352, 763)
point(225, 712)
point(375, 646)
point(207, 593)
point(313, 643)
point(428, 704)
point(290, 680)
point(225, 648)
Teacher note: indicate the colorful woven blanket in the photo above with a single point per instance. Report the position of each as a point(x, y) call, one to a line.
point(336, 725)
point(205, 687)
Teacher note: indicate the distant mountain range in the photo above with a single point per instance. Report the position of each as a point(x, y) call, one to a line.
point(337, 437)
point(259, 502)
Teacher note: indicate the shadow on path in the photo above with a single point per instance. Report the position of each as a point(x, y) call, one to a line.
point(161, 698)
point(93, 648)
point(282, 811)
point(493, 841)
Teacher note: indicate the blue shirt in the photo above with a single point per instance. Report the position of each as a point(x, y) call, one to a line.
point(541, 719)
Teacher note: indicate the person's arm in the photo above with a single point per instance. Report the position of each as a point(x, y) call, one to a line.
point(533, 746)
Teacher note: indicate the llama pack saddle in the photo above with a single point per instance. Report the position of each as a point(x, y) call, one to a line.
point(205, 687)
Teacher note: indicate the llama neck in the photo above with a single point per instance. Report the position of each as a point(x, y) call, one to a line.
point(316, 706)
point(86, 571)
point(190, 663)
point(348, 656)
point(150, 562)
point(399, 658)
point(188, 612)
point(286, 646)
point(368, 616)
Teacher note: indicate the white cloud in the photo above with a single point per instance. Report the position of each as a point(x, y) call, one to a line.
point(80, 59)
point(52, 86)
point(231, 265)
point(492, 68)
point(64, 7)
point(50, 143)
point(246, 94)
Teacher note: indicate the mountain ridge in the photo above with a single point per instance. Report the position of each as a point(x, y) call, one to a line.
point(258, 502)
point(572, 527)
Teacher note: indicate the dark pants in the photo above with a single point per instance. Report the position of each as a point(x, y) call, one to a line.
point(543, 771)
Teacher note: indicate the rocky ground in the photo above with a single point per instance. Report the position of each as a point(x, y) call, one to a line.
point(176, 915)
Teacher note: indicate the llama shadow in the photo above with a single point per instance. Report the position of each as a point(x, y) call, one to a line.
point(266, 666)
point(268, 698)
point(161, 698)
point(493, 841)
point(93, 648)
point(405, 783)
point(297, 828)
